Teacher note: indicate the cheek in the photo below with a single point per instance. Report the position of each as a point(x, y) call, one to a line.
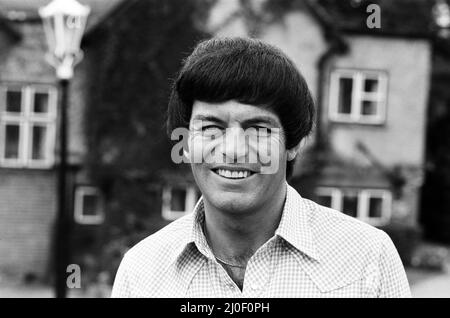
point(201, 150)
point(272, 154)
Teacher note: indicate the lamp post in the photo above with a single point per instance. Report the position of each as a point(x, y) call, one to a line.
point(64, 23)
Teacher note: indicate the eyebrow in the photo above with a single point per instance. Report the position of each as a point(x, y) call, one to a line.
point(254, 120)
point(261, 120)
point(209, 118)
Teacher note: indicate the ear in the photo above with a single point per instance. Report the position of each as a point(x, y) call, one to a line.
point(292, 153)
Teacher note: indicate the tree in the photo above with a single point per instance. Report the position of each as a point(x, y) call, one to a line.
point(133, 56)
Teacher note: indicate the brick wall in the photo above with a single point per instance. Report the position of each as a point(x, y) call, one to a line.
point(27, 213)
point(27, 197)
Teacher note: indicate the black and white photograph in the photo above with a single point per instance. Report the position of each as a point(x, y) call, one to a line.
point(224, 149)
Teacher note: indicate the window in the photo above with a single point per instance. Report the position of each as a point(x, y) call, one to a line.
point(178, 201)
point(358, 96)
point(88, 205)
point(370, 205)
point(27, 125)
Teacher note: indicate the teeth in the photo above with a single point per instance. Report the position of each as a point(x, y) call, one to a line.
point(233, 174)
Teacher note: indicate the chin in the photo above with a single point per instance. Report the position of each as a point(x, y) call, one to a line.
point(233, 202)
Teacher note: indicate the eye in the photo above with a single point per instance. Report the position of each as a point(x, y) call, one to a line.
point(212, 130)
point(262, 131)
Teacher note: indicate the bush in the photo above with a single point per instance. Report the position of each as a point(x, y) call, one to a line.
point(406, 239)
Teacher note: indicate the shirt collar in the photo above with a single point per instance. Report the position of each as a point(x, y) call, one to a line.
point(295, 224)
point(195, 236)
point(294, 228)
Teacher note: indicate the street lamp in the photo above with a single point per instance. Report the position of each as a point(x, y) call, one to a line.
point(64, 23)
point(441, 15)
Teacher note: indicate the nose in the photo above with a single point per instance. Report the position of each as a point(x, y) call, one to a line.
point(234, 145)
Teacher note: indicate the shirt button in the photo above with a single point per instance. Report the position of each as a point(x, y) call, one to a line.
point(254, 286)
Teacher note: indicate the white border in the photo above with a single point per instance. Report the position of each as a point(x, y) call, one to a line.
point(358, 96)
point(79, 217)
point(190, 201)
point(26, 120)
point(363, 195)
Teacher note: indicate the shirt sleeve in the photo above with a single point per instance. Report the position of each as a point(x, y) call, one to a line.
point(121, 286)
point(393, 280)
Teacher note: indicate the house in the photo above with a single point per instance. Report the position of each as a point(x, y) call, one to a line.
point(371, 88)
point(366, 156)
point(28, 144)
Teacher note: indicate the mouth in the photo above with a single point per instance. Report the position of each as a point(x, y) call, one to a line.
point(233, 174)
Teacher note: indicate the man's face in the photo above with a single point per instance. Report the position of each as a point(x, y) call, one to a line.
point(243, 154)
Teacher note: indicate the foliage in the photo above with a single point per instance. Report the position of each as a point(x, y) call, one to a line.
point(133, 56)
point(432, 257)
point(435, 199)
point(405, 238)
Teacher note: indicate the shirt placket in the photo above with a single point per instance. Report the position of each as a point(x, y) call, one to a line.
point(229, 287)
point(258, 271)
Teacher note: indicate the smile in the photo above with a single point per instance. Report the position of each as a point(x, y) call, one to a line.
point(233, 174)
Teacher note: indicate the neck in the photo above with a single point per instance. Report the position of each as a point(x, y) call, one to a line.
point(237, 236)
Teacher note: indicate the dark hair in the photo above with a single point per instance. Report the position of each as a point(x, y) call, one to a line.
point(248, 71)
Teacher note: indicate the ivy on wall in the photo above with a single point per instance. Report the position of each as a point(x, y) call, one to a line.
point(133, 57)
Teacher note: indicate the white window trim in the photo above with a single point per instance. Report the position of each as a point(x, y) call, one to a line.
point(81, 218)
point(358, 96)
point(26, 120)
point(364, 195)
point(386, 209)
point(191, 200)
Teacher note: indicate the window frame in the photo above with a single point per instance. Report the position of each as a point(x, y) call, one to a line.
point(358, 94)
point(363, 195)
point(78, 215)
point(189, 204)
point(27, 119)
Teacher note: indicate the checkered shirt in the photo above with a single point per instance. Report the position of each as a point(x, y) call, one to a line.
point(315, 252)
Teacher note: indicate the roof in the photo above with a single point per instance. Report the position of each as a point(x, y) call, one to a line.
point(27, 10)
point(321, 16)
point(6, 26)
point(120, 7)
point(403, 18)
point(406, 18)
point(399, 18)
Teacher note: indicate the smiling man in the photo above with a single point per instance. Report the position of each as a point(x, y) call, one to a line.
point(246, 108)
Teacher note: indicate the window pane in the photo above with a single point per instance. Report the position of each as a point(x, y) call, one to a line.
point(371, 85)
point(369, 107)
point(178, 201)
point(345, 95)
point(41, 101)
point(375, 207)
point(12, 133)
point(324, 200)
point(350, 203)
point(38, 143)
point(90, 205)
point(13, 101)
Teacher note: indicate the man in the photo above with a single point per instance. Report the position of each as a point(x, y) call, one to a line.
point(251, 234)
